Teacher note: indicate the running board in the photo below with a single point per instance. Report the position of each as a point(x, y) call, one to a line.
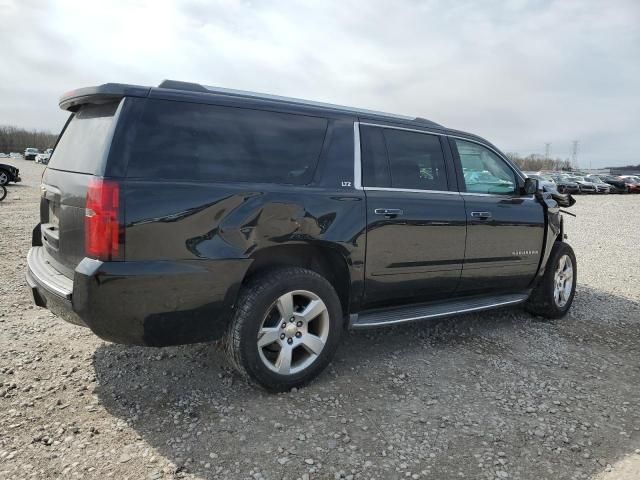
point(396, 315)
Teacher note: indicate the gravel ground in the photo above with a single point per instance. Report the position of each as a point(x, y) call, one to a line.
point(497, 395)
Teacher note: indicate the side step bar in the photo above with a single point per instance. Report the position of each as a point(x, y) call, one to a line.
point(410, 313)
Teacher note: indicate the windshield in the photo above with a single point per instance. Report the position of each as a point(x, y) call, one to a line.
point(595, 179)
point(32, 150)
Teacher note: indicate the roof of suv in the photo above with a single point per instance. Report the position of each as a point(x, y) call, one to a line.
point(113, 90)
point(187, 91)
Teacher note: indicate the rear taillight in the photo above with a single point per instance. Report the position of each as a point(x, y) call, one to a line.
point(101, 222)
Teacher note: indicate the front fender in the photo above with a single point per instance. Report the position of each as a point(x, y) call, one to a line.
point(553, 229)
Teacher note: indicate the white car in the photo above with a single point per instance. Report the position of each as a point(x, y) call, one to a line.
point(44, 157)
point(15, 155)
point(30, 153)
point(4, 155)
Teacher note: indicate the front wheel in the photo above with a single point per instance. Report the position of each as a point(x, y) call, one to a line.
point(554, 294)
point(285, 329)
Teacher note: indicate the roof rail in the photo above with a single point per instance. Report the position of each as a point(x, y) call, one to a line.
point(178, 85)
point(196, 87)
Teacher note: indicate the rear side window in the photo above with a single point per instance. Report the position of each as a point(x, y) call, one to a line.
point(375, 164)
point(416, 160)
point(187, 141)
point(402, 159)
point(83, 143)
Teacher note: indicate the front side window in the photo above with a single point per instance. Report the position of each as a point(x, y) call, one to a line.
point(483, 170)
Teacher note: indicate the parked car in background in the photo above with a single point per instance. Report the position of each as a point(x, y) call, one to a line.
point(545, 182)
point(280, 234)
point(564, 184)
point(15, 155)
point(30, 153)
point(584, 185)
point(8, 173)
point(617, 184)
point(4, 155)
point(632, 183)
point(44, 157)
point(602, 187)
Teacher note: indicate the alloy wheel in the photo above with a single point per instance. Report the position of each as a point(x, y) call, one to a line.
point(294, 332)
point(563, 281)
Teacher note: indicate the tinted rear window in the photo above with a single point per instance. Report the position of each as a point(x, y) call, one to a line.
point(187, 141)
point(83, 143)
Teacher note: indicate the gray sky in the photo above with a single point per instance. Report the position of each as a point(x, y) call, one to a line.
point(518, 72)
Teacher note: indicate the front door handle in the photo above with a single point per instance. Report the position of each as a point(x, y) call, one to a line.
point(481, 215)
point(390, 212)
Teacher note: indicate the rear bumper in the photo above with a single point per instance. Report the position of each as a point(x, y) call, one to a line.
point(49, 288)
point(141, 303)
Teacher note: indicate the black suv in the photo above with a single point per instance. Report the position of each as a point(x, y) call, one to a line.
point(186, 213)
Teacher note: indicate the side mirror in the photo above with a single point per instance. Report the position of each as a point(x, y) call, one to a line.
point(530, 186)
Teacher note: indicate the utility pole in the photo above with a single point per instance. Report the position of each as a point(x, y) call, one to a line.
point(574, 154)
point(547, 151)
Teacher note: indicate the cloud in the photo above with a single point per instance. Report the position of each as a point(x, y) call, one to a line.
point(520, 74)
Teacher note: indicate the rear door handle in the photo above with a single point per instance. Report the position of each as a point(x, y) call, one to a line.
point(391, 212)
point(481, 215)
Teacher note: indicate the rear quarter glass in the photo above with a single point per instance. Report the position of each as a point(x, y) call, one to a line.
point(84, 143)
point(211, 143)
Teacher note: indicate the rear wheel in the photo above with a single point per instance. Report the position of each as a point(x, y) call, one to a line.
point(286, 328)
point(4, 177)
point(553, 296)
point(3, 192)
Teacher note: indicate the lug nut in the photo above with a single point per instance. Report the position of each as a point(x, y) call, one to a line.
point(284, 325)
point(291, 319)
point(298, 334)
point(282, 336)
point(299, 323)
point(290, 341)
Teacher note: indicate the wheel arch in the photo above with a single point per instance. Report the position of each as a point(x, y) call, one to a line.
point(8, 173)
point(322, 259)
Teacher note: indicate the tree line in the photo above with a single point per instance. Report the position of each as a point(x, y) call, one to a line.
point(535, 162)
point(14, 139)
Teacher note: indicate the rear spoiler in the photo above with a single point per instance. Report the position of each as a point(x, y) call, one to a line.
point(105, 93)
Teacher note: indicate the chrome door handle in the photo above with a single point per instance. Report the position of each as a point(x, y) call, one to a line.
point(481, 215)
point(388, 211)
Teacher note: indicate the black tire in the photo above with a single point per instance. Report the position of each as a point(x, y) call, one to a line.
point(3, 192)
point(5, 177)
point(255, 302)
point(543, 301)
